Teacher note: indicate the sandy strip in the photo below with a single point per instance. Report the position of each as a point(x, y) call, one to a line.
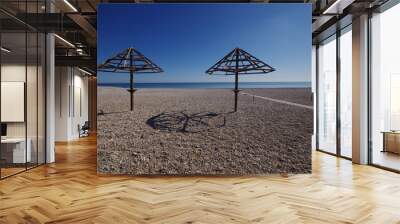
point(280, 101)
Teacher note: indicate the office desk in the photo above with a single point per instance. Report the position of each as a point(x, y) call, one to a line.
point(13, 150)
point(391, 141)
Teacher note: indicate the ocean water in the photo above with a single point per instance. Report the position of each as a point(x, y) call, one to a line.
point(213, 85)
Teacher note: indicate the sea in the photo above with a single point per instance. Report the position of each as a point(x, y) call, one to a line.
point(212, 85)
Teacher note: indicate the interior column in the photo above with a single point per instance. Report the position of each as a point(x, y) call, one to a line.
point(360, 90)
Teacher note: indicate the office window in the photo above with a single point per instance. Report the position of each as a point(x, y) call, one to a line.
point(346, 92)
point(327, 95)
point(385, 89)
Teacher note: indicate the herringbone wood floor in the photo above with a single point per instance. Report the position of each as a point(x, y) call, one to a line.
point(70, 191)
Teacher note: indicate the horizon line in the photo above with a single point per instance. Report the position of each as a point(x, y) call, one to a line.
point(202, 82)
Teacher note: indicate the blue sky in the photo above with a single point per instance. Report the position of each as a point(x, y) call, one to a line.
point(186, 39)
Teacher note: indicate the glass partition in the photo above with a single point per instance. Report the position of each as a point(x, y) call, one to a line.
point(14, 153)
point(327, 95)
point(22, 87)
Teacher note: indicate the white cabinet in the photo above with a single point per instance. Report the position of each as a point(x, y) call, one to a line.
point(17, 146)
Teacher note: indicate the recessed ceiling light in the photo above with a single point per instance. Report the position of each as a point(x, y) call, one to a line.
point(84, 71)
point(5, 50)
point(70, 5)
point(64, 40)
point(338, 6)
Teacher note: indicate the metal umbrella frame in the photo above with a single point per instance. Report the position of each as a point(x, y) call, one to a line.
point(129, 61)
point(239, 62)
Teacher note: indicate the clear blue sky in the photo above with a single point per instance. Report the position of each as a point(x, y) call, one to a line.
point(186, 39)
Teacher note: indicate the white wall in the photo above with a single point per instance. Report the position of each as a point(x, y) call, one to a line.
point(62, 82)
point(79, 102)
point(71, 87)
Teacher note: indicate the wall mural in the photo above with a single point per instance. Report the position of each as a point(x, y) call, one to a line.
point(204, 89)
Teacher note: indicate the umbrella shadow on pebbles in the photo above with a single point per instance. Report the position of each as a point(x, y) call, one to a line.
point(186, 122)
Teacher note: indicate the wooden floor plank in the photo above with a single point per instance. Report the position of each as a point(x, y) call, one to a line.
point(71, 191)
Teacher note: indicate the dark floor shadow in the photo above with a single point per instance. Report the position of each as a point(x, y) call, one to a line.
point(185, 122)
point(101, 112)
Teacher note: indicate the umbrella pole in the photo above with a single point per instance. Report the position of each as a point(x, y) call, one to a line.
point(236, 77)
point(131, 90)
point(236, 91)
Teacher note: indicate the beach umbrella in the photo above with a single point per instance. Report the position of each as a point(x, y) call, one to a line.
point(129, 61)
point(239, 62)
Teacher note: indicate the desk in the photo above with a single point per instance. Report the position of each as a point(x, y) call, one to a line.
point(13, 150)
point(391, 141)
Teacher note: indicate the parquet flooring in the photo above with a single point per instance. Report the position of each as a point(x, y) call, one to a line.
point(70, 191)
